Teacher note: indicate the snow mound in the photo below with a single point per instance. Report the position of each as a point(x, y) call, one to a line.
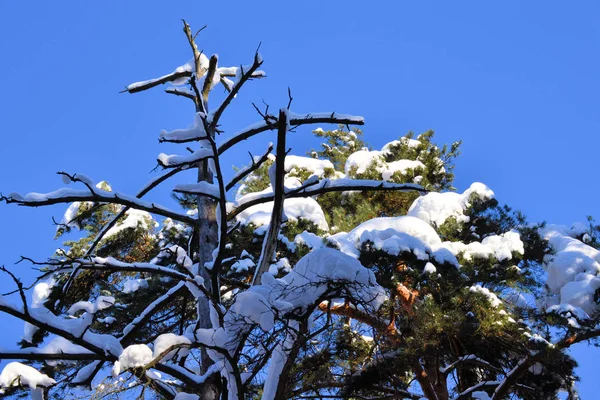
point(314, 166)
point(436, 208)
point(133, 219)
point(361, 160)
point(501, 247)
point(294, 209)
point(15, 373)
point(164, 341)
point(395, 235)
point(304, 285)
point(134, 356)
point(573, 269)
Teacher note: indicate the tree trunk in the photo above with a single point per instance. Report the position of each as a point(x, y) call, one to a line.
point(207, 241)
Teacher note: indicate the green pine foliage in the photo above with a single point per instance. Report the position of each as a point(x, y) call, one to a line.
point(344, 211)
point(447, 314)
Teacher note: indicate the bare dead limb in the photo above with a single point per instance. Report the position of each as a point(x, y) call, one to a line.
point(270, 240)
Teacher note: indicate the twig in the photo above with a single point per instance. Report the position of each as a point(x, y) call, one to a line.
point(255, 165)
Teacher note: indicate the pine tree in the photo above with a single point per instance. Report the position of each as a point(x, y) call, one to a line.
point(349, 273)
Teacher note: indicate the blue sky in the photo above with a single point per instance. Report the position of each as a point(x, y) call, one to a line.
point(517, 81)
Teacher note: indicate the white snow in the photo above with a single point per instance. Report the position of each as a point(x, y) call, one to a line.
point(136, 355)
point(314, 166)
point(294, 117)
point(429, 268)
point(181, 256)
point(166, 340)
point(244, 264)
point(209, 189)
point(187, 67)
point(395, 235)
point(411, 143)
point(436, 208)
point(493, 299)
point(401, 166)
point(501, 247)
point(133, 219)
point(58, 344)
point(294, 209)
point(195, 132)
point(133, 285)
point(101, 303)
point(174, 160)
point(15, 373)
point(310, 239)
point(573, 269)
point(70, 215)
point(283, 264)
point(359, 161)
point(305, 283)
point(107, 320)
point(41, 292)
point(480, 395)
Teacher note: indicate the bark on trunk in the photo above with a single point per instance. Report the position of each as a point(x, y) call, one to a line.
point(207, 242)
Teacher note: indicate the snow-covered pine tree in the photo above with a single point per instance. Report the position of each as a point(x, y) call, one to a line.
point(352, 273)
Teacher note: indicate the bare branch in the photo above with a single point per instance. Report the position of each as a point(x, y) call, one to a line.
point(247, 171)
point(198, 31)
point(19, 287)
point(199, 70)
point(270, 240)
point(132, 328)
point(182, 93)
point(290, 98)
point(212, 69)
point(236, 88)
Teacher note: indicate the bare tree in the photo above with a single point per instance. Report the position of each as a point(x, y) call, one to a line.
point(222, 335)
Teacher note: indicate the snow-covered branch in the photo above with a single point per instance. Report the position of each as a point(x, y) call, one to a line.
point(47, 321)
point(141, 193)
point(186, 160)
point(111, 264)
point(66, 195)
point(316, 187)
point(199, 189)
point(270, 123)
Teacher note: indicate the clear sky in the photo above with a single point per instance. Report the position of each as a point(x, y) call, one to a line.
point(517, 81)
